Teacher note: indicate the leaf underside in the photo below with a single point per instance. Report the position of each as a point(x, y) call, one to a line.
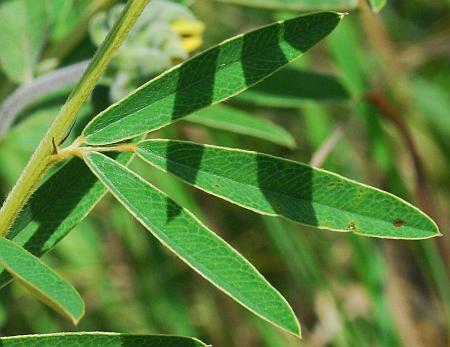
point(280, 187)
point(210, 77)
point(194, 243)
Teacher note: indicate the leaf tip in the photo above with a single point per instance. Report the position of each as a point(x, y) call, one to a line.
point(294, 327)
point(291, 144)
point(437, 232)
point(433, 226)
point(76, 314)
point(76, 319)
point(298, 331)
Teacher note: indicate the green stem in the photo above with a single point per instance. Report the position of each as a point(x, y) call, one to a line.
point(42, 157)
point(75, 150)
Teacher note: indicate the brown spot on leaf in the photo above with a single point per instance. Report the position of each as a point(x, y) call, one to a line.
point(398, 223)
point(351, 226)
point(360, 193)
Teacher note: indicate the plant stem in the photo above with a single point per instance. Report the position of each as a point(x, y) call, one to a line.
point(42, 157)
point(75, 150)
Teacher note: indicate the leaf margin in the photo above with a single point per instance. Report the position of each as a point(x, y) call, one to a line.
point(36, 290)
point(97, 333)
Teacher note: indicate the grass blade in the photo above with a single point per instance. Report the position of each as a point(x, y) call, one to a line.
point(292, 87)
point(237, 121)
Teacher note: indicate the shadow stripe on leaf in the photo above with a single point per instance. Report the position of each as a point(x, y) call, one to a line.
point(279, 187)
point(210, 77)
point(195, 244)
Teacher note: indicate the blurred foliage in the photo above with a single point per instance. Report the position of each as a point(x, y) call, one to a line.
point(165, 34)
point(346, 290)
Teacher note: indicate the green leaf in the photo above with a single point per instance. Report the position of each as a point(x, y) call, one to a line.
point(377, 5)
point(237, 121)
point(42, 281)
point(22, 139)
point(296, 5)
point(434, 102)
point(292, 87)
point(210, 77)
point(56, 207)
point(20, 142)
point(195, 244)
point(65, 16)
point(23, 25)
point(280, 187)
point(99, 339)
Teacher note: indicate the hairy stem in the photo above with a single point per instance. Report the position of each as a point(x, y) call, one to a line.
point(42, 157)
point(75, 150)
